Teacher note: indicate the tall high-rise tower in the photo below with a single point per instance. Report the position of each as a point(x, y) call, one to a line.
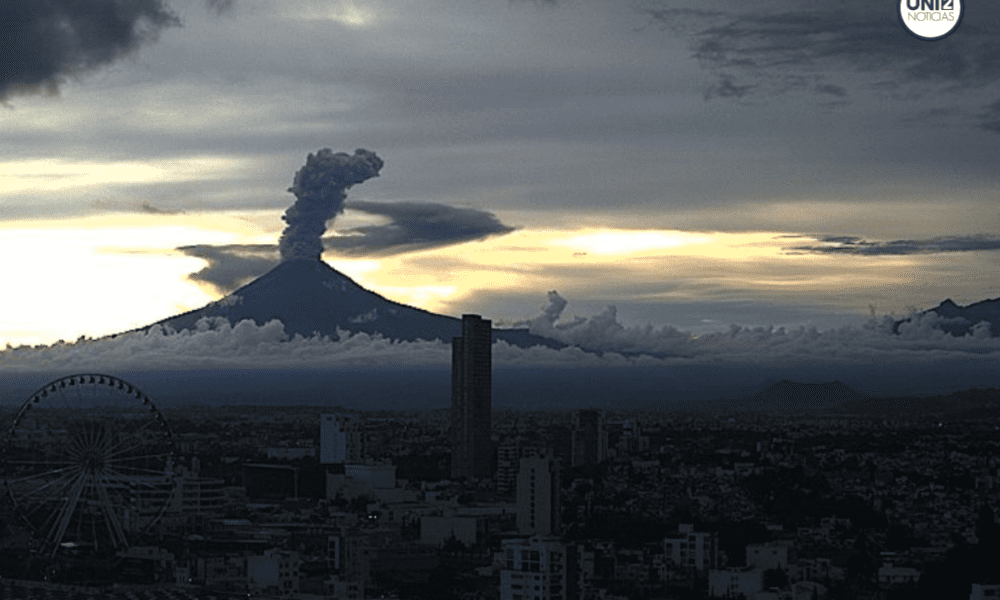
point(471, 399)
point(590, 440)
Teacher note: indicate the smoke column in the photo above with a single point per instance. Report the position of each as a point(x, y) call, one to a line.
point(320, 188)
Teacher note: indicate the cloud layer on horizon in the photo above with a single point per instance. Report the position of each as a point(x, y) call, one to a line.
point(231, 265)
point(859, 246)
point(217, 344)
point(873, 339)
point(412, 226)
point(820, 50)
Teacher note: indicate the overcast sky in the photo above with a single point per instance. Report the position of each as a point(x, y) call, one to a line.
point(694, 164)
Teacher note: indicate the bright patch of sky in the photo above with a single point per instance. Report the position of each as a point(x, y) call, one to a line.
point(100, 275)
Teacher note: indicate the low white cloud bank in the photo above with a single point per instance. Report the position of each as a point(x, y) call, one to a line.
point(919, 338)
point(217, 344)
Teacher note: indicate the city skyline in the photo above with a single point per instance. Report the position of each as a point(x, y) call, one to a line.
point(884, 501)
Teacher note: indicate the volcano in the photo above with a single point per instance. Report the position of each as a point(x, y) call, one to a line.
point(310, 297)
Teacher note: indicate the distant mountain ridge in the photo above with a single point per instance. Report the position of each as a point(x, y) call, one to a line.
point(960, 319)
point(789, 396)
point(835, 399)
point(310, 296)
point(973, 404)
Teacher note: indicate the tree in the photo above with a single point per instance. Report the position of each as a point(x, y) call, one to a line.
point(775, 578)
point(987, 530)
point(862, 564)
point(454, 546)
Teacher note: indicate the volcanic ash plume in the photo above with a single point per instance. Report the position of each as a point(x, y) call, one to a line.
point(320, 188)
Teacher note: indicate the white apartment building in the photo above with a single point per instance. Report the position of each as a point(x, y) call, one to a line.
point(538, 502)
point(535, 569)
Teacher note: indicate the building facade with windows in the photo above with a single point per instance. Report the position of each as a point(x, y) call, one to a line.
point(340, 439)
point(539, 568)
point(538, 503)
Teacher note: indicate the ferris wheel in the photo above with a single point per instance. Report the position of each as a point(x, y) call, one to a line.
point(89, 462)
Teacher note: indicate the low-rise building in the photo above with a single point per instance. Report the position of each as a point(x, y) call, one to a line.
point(985, 591)
point(772, 555)
point(692, 549)
point(730, 583)
point(890, 576)
point(275, 572)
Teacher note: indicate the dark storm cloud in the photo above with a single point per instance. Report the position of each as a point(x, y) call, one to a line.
point(415, 225)
point(126, 206)
point(726, 88)
point(535, 2)
point(989, 119)
point(832, 90)
point(859, 246)
point(44, 42)
point(231, 266)
point(146, 207)
point(220, 6)
point(788, 46)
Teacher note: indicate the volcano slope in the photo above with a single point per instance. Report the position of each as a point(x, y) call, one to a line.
point(310, 297)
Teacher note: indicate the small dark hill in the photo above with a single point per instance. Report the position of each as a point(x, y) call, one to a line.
point(975, 404)
point(309, 296)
